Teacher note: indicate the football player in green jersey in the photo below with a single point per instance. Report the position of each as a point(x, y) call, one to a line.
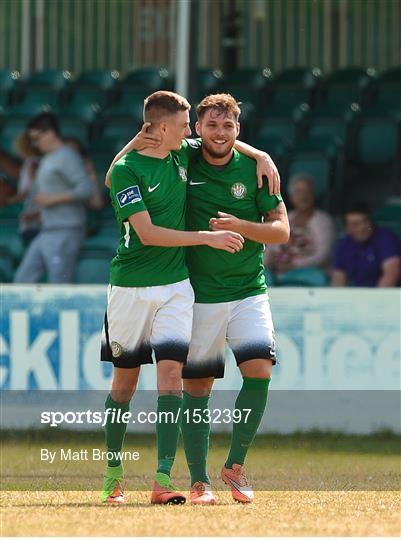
point(150, 299)
point(231, 304)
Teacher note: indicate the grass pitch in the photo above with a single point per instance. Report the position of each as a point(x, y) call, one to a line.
point(306, 485)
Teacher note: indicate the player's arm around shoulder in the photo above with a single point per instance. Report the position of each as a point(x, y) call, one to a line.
point(275, 229)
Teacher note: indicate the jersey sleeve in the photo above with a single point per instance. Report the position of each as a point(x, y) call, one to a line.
point(125, 192)
point(190, 148)
point(264, 201)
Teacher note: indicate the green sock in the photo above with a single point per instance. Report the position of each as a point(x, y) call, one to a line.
point(253, 395)
point(195, 437)
point(167, 431)
point(115, 431)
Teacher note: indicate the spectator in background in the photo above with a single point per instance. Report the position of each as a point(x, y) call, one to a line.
point(368, 255)
point(9, 170)
point(29, 219)
point(63, 187)
point(96, 201)
point(312, 232)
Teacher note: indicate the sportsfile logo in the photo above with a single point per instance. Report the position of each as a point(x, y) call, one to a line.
point(129, 195)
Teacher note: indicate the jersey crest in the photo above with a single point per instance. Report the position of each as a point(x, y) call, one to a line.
point(183, 173)
point(238, 190)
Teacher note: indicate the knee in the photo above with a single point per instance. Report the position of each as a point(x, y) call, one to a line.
point(169, 377)
point(122, 395)
point(198, 387)
point(258, 369)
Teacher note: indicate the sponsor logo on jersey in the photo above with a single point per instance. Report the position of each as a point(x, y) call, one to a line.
point(238, 190)
point(129, 195)
point(183, 173)
point(193, 183)
point(116, 349)
point(150, 189)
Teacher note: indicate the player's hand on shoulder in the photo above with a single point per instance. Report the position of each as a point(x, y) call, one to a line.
point(265, 166)
point(145, 139)
point(226, 240)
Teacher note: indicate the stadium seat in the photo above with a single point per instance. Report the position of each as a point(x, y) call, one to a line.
point(148, 79)
point(117, 129)
point(104, 79)
point(389, 216)
point(51, 79)
point(9, 131)
point(27, 110)
point(106, 239)
point(74, 128)
point(130, 104)
point(10, 241)
point(377, 141)
point(208, 81)
point(6, 266)
point(386, 89)
point(8, 82)
point(318, 165)
point(346, 85)
point(93, 268)
point(303, 277)
point(294, 86)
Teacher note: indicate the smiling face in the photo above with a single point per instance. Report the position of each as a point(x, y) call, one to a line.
point(219, 130)
point(175, 129)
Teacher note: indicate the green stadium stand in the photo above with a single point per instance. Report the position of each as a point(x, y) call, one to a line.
point(377, 141)
point(148, 79)
point(27, 109)
point(52, 79)
point(387, 88)
point(93, 268)
point(8, 82)
point(104, 79)
point(130, 105)
point(11, 128)
point(294, 86)
point(75, 128)
point(303, 277)
point(346, 85)
point(6, 266)
point(208, 81)
point(10, 242)
point(106, 239)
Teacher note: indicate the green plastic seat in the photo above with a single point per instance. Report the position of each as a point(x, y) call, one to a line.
point(7, 266)
point(55, 79)
point(389, 212)
point(294, 86)
point(119, 129)
point(283, 129)
point(347, 85)
point(208, 81)
point(148, 78)
point(303, 277)
point(11, 243)
point(93, 268)
point(130, 104)
point(74, 128)
point(8, 133)
point(27, 110)
point(318, 165)
point(377, 141)
point(8, 79)
point(106, 239)
point(104, 79)
point(255, 78)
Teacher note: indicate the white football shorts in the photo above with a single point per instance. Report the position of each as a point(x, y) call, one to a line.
point(245, 325)
point(140, 320)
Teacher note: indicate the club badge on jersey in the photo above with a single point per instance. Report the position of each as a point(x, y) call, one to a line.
point(183, 173)
point(238, 190)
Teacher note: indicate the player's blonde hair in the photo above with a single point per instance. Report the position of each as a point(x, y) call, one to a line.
point(222, 103)
point(162, 103)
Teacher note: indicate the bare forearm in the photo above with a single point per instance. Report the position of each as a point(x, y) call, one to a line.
point(388, 280)
point(160, 236)
point(338, 278)
point(265, 233)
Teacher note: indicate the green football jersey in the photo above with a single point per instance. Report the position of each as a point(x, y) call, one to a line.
point(216, 275)
point(158, 186)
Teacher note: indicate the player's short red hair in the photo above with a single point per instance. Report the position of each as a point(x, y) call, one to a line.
point(162, 103)
point(222, 103)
